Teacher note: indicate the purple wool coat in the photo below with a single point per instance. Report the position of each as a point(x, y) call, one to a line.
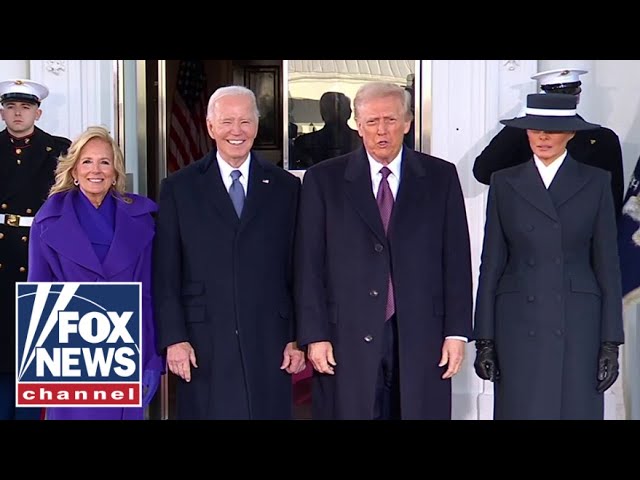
point(60, 251)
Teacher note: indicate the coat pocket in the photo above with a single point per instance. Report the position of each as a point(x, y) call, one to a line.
point(585, 284)
point(192, 293)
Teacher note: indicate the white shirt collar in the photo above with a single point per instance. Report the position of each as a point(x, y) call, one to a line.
point(549, 172)
point(395, 165)
point(226, 169)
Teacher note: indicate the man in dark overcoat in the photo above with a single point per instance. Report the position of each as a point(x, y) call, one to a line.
point(383, 272)
point(223, 273)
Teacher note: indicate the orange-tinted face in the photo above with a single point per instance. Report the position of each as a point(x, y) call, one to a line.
point(548, 146)
point(234, 127)
point(382, 125)
point(20, 117)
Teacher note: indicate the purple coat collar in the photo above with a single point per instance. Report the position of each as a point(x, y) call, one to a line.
point(64, 234)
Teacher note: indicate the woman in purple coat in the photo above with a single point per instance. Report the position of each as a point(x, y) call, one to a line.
point(90, 230)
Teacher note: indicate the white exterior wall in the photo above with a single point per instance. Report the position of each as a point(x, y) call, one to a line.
point(468, 99)
point(81, 94)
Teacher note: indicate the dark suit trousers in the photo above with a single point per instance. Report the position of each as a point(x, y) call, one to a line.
point(387, 402)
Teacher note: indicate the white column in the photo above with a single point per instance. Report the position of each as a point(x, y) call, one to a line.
point(81, 94)
point(468, 100)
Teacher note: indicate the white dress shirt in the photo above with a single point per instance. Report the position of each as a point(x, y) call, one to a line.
point(393, 178)
point(549, 172)
point(394, 184)
point(226, 169)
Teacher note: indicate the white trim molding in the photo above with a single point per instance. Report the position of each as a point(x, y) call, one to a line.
point(56, 67)
point(81, 93)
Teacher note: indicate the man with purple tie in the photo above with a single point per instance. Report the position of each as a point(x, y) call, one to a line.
point(383, 272)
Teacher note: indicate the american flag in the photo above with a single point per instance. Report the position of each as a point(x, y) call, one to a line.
point(188, 137)
point(629, 251)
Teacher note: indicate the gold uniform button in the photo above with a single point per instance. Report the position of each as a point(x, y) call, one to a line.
point(22, 269)
point(29, 210)
point(18, 151)
point(18, 162)
point(49, 149)
point(0, 265)
point(25, 238)
point(4, 206)
point(26, 140)
point(1, 235)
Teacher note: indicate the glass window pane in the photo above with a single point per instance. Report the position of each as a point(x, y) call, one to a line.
point(321, 123)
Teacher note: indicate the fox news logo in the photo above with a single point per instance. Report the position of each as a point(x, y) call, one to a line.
point(78, 344)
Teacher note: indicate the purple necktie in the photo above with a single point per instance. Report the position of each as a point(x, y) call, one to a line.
point(385, 205)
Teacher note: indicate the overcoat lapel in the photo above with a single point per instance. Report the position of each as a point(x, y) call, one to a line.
point(526, 182)
point(358, 189)
point(260, 185)
point(68, 239)
point(212, 190)
point(414, 184)
point(569, 180)
point(130, 238)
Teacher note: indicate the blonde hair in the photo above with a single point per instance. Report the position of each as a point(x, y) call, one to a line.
point(66, 163)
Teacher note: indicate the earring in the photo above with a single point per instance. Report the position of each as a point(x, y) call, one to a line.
point(76, 182)
point(113, 183)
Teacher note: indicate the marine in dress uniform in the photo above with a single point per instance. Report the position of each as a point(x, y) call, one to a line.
point(599, 147)
point(28, 158)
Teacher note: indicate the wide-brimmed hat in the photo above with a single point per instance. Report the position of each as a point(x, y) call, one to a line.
point(551, 112)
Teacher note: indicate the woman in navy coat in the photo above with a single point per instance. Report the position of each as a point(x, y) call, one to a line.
point(90, 230)
point(548, 319)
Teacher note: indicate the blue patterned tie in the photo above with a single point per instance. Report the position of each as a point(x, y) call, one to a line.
point(236, 192)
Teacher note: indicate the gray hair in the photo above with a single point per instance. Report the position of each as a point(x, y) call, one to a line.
point(231, 90)
point(373, 90)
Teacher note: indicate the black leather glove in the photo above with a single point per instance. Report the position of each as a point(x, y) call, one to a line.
point(607, 365)
point(486, 363)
